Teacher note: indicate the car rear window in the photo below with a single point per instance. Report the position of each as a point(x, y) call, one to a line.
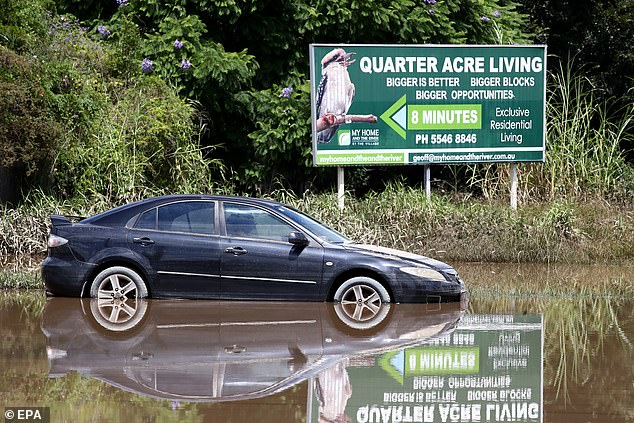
point(197, 217)
point(147, 220)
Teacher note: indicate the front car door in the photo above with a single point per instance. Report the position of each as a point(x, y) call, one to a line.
point(258, 261)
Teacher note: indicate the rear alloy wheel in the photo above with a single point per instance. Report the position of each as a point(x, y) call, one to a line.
point(119, 293)
point(363, 302)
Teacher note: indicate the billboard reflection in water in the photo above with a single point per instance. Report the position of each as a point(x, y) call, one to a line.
point(488, 370)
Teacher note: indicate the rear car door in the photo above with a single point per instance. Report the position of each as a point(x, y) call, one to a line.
point(258, 261)
point(181, 244)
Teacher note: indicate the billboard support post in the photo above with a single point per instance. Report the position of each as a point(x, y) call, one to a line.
point(341, 189)
point(427, 183)
point(514, 186)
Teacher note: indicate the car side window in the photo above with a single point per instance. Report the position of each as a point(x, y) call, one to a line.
point(197, 217)
point(251, 222)
point(147, 220)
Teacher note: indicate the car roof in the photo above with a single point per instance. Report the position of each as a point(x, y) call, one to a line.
point(119, 216)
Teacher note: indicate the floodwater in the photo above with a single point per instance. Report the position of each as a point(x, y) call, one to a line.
point(500, 359)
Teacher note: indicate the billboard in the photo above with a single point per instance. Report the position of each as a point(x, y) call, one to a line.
point(409, 104)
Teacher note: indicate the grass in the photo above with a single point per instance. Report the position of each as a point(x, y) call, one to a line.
point(446, 228)
point(584, 144)
point(20, 280)
point(584, 138)
point(22, 273)
point(472, 231)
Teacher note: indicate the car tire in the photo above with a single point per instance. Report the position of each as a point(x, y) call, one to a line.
point(111, 282)
point(118, 299)
point(362, 302)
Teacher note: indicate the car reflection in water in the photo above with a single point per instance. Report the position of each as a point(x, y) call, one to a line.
point(211, 351)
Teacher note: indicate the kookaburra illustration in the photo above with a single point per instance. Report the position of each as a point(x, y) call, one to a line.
point(335, 91)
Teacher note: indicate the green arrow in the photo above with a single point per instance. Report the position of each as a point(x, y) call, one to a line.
point(385, 364)
point(387, 116)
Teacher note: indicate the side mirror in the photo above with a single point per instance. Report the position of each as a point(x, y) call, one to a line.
point(298, 238)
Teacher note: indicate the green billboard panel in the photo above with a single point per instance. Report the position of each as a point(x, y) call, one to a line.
point(409, 104)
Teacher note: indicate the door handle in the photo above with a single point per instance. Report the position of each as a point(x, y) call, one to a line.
point(235, 349)
point(236, 251)
point(142, 356)
point(143, 241)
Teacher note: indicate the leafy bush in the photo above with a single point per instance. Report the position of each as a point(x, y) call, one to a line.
point(29, 132)
point(126, 133)
point(145, 144)
point(115, 96)
point(280, 142)
point(200, 48)
point(23, 23)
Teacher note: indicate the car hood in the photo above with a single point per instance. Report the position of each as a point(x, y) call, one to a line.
point(395, 254)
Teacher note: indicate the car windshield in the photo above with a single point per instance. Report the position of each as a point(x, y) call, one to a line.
point(317, 228)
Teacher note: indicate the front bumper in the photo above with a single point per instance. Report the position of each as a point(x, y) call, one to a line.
point(66, 278)
point(429, 292)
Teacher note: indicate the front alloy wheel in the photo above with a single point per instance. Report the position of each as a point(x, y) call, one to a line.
point(360, 300)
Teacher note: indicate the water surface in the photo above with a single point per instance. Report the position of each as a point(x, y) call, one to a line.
point(538, 358)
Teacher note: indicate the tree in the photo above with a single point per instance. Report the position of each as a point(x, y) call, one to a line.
point(598, 33)
point(240, 56)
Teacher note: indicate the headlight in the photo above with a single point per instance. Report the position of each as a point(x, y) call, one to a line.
point(424, 272)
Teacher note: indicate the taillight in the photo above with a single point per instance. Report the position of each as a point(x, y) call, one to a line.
point(54, 353)
point(56, 241)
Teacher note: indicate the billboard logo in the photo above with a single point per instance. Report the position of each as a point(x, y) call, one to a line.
point(343, 135)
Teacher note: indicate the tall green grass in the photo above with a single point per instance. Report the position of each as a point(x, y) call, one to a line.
point(401, 217)
point(584, 156)
point(584, 138)
point(471, 230)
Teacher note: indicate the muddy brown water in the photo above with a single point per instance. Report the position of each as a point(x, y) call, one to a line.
point(502, 359)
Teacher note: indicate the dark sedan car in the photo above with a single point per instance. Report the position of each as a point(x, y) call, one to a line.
point(199, 246)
